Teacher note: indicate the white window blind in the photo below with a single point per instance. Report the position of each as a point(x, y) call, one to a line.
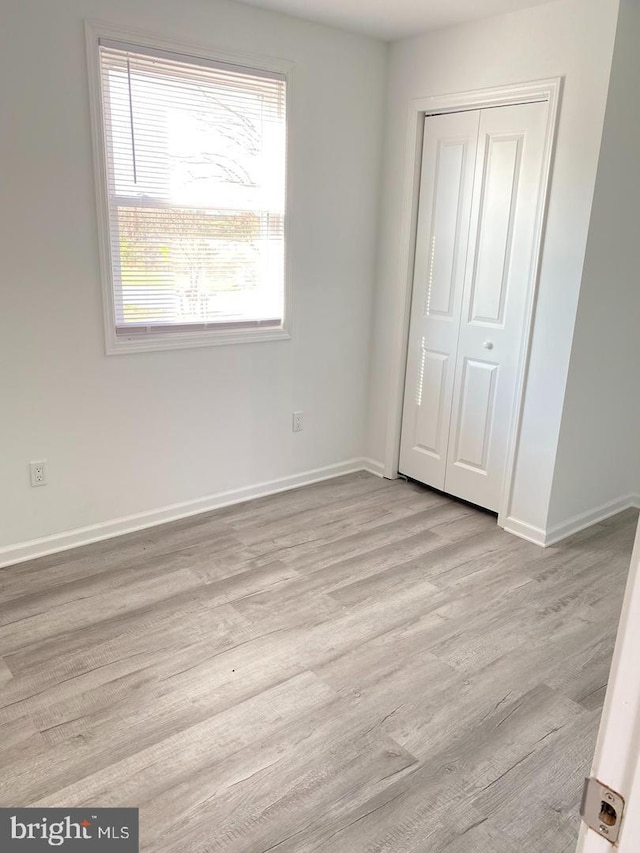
point(195, 166)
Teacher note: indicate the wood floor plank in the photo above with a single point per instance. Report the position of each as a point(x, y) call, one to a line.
point(5, 674)
point(146, 773)
point(194, 603)
point(481, 837)
point(31, 625)
point(321, 768)
point(165, 648)
point(543, 783)
point(357, 666)
point(389, 530)
point(133, 550)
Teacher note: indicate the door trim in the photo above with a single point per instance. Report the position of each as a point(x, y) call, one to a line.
point(548, 91)
point(617, 754)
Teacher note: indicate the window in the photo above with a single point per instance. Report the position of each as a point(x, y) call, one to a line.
point(194, 155)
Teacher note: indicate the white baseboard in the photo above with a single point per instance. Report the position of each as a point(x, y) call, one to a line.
point(558, 532)
point(586, 519)
point(18, 553)
point(525, 531)
point(373, 466)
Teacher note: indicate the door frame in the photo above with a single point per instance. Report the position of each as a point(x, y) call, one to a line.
point(616, 761)
point(547, 90)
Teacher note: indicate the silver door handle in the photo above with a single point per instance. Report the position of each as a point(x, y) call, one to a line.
point(488, 344)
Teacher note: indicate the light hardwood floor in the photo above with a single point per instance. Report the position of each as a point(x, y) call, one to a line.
point(359, 666)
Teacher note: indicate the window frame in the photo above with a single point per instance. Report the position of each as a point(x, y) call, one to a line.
point(180, 338)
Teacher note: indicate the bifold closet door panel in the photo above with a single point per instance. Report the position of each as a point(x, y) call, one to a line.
point(496, 298)
point(444, 215)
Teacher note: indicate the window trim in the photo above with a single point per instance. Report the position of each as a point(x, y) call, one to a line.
point(119, 343)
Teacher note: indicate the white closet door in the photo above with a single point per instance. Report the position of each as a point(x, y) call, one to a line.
point(509, 167)
point(446, 185)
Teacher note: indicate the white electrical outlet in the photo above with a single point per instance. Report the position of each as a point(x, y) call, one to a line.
point(38, 473)
point(298, 421)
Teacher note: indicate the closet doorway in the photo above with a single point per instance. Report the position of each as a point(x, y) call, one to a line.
point(481, 193)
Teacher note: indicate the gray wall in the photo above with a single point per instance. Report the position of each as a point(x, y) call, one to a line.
point(598, 458)
point(132, 433)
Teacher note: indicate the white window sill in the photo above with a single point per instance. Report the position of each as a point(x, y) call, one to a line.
point(122, 344)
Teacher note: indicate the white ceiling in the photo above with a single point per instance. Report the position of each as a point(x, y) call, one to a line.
point(392, 19)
